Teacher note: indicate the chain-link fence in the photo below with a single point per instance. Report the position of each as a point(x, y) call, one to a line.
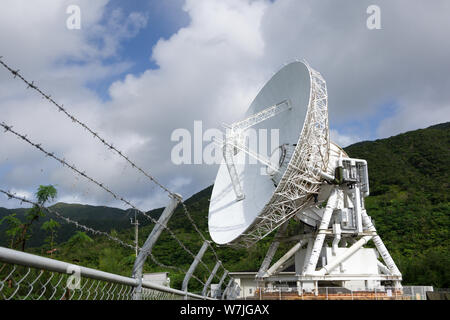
point(25, 276)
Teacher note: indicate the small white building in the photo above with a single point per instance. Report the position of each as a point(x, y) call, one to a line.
point(160, 278)
point(247, 282)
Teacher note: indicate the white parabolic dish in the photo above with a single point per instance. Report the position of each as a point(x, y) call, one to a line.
point(303, 129)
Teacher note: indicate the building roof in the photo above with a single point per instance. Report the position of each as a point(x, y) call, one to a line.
point(243, 274)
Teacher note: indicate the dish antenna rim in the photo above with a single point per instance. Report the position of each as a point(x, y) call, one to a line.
point(301, 178)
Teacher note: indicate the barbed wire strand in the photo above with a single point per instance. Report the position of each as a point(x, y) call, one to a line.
point(186, 211)
point(101, 185)
point(32, 85)
point(79, 225)
point(61, 108)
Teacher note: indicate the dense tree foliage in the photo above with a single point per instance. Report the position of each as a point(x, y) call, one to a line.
point(20, 232)
point(409, 182)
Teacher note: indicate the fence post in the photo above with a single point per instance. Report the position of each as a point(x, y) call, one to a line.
point(225, 292)
point(219, 286)
point(271, 251)
point(235, 290)
point(210, 278)
point(150, 242)
point(193, 266)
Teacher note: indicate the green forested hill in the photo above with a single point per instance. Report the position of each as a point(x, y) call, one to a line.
point(409, 182)
point(97, 217)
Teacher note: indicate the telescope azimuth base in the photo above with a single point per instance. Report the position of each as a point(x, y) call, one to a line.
point(334, 251)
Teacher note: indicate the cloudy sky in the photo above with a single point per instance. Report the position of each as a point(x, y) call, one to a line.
point(136, 71)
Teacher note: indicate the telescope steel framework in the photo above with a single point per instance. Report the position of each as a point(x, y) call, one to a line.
point(302, 178)
point(317, 183)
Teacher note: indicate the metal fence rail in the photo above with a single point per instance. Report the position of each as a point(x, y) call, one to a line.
point(25, 276)
point(137, 270)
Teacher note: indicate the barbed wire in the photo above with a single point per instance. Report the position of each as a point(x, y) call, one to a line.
point(79, 225)
point(32, 85)
point(101, 185)
point(61, 108)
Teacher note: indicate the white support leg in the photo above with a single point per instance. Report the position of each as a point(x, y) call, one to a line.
point(352, 236)
point(380, 245)
point(357, 207)
point(383, 268)
point(320, 238)
point(337, 238)
point(271, 251)
point(277, 265)
point(347, 254)
point(308, 254)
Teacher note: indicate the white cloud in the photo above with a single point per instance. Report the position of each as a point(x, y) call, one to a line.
point(209, 70)
point(35, 39)
point(416, 111)
point(343, 140)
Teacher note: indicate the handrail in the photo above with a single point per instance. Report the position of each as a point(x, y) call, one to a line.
point(30, 260)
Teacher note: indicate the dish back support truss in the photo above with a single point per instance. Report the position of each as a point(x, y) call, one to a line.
point(234, 140)
point(301, 180)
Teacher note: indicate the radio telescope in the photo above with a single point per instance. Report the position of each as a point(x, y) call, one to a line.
point(307, 178)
